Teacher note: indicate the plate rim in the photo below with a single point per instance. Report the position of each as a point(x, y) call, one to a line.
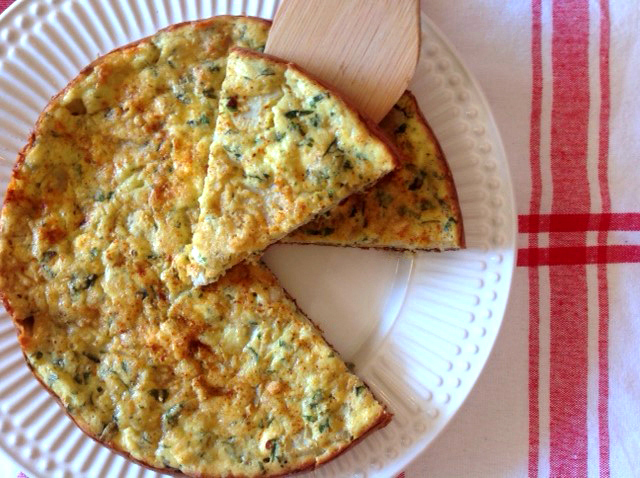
point(511, 246)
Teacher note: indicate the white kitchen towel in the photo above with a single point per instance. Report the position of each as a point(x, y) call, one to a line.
point(559, 396)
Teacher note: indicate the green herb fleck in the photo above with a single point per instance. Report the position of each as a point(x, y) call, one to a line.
point(316, 99)
point(101, 196)
point(297, 113)
point(324, 426)
point(108, 430)
point(425, 205)
point(273, 445)
point(209, 93)
point(417, 183)
point(332, 148)
point(171, 416)
point(183, 98)
point(78, 284)
point(317, 396)
point(52, 377)
point(310, 418)
point(82, 380)
point(359, 389)
point(254, 353)
point(204, 119)
point(449, 224)
point(306, 142)
point(384, 198)
point(280, 135)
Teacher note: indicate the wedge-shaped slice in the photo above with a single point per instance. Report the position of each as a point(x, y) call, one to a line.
point(285, 149)
point(415, 207)
point(234, 381)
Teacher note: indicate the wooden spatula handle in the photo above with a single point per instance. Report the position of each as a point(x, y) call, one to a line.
point(366, 49)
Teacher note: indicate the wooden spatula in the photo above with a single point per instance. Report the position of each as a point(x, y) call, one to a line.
point(366, 49)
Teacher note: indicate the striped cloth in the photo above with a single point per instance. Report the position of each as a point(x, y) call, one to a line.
point(559, 396)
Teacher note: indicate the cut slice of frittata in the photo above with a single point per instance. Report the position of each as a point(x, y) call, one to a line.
point(233, 381)
point(415, 207)
point(286, 148)
point(267, 394)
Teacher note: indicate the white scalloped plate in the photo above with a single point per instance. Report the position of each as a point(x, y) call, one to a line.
point(419, 328)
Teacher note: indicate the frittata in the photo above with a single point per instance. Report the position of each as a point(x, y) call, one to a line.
point(285, 149)
point(414, 207)
point(228, 379)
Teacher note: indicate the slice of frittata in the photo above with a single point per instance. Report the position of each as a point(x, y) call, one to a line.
point(415, 207)
point(286, 148)
point(233, 381)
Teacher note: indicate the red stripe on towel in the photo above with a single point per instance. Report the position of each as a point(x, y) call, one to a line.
point(606, 221)
point(4, 4)
point(578, 255)
point(536, 195)
point(568, 318)
point(603, 285)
